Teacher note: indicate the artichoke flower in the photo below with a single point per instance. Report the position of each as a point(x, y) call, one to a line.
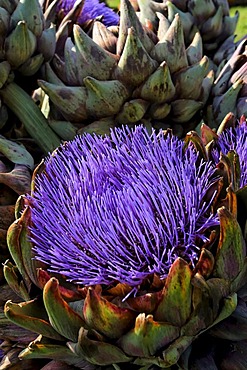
point(25, 44)
point(130, 248)
point(229, 92)
point(127, 75)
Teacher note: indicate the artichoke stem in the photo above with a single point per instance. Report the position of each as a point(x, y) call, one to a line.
point(19, 102)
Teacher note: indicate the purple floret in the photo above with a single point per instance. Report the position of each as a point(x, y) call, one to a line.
point(91, 10)
point(118, 208)
point(234, 139)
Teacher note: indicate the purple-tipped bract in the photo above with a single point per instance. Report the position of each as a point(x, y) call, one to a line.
point(118, 208)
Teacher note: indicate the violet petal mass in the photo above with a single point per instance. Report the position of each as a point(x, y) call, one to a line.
point(118, 208)
point(91, 10)
point(234, 138)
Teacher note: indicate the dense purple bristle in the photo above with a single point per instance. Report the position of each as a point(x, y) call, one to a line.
point(122, 207)
point(91, 10)
point(234, 139)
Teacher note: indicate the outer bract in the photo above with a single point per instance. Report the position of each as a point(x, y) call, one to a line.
point(153, 311)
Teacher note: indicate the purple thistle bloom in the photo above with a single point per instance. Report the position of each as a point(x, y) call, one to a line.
point(91, 10)
point(234, 139)
point(122, 207)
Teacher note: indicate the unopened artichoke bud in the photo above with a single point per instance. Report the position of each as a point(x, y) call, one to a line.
point(19, 45)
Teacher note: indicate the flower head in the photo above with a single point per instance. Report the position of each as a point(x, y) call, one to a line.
point(91, 10)
point(122, 207)
point(234, 139)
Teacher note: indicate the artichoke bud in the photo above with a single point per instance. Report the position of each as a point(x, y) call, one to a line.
point(148, 336)
point(200, 10)
point(61, 316)
point(132, 111)
point(185, 109)
point(135, 64)
point(101, 62)
point(20, 45)
point(173, 53)
point(213, 26)
point(32, 65)
point(47, 43)
point(4, 21)
point(159, 111)
point(70, 101)
point(106, 317)
point(104, 98)
point(31, 12)
point(104, 37)
point(188, 81)
point(194, 50)
point(231, 251)
point(5, 70)
point(186, 18)
point(175, 304)
point(158, 88)
point(129, 19)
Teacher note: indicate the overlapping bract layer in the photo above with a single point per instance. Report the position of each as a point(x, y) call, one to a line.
point(121, 208)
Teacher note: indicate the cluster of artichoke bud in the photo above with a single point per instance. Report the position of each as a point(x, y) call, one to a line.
point(128, 73)
point(211, 18)
point(25, 42)
point(229, 92)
